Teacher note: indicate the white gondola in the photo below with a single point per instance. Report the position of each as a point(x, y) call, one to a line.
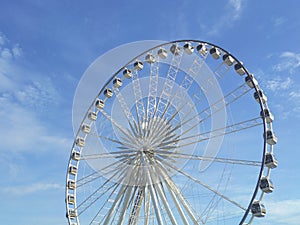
point(127, 73)
point(188, 48)
point(228, 59)
point(73, 170)
point(71, 199)
point(108, 93)
point(92, 116)
point(260, 95)
point(268, 115)
point(86, 128)
point(71, 184)
point(80, 142)
point(99, 104)
point(138, 65)
point(239, 69)
point(271, 161)
point(258, 209)
point(150, 58)
point(162, 53)
point(201, 48)
point(117, 82)
point(251, 81)
point(75, 155)
point(271, 137)
point(72, 213)
point(175, 49)
point(266, 185)
point(215, 52)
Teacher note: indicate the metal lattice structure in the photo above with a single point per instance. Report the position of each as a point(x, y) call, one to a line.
point(181, 134)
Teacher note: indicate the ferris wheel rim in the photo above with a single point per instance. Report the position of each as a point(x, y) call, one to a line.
point(256, 87)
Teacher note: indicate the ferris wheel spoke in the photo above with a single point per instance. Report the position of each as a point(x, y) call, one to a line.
point(160, 193)
point(126, 140)
point(195, 69)
point(165, 202)
point(171, 155)
point(136, 205)
point(177, 100)
point(103, 205)
point(139, 104)
point(217, 106)
point(109, 214)
point(177, 205)
point(220, 131)
point(221, 70)
point(92, 198)
point(162, 129)
point(96, 174)
point(117, 154)
point(154, 197)
point(153, 86)
point(213, 108)
point(129, 174)
point(204, 185)
point(147, 207)
point(178, 197)
point(95, 134)
point(124, 106)
point(227, 100)
point(123, 130)
point(126, 202)
point(170, 80)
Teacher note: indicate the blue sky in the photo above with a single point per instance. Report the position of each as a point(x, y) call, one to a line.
point(45, 47)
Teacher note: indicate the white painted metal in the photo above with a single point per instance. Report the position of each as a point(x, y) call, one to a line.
point(145, 148)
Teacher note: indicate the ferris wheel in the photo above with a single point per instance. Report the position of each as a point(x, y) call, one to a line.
point(179, 133)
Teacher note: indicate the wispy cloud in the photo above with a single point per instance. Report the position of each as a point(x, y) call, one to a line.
point(232, 13)
point(22, 131)
point(2, 39)
point(295, 95)
point(22, 190)
point(290, 61)
point(279, 84)
point(6, 52)
point(236, 6)
point(282, 82)
point(38, 94)
point(278, 21)
point(24, 98)
point(284, 212)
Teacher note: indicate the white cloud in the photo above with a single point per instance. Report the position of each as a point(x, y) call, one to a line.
point(38, 94)
point(295, 97)
point(290, 62)
point(6, 53)
point(284, 212)
point(2, 39)
point(278, 21)
point(279, 84)
point(24, 97)
point(236, 5)
point(295, 94)
point(22, 190)
point(232, 13)
point(22, 131)
point(17, 51)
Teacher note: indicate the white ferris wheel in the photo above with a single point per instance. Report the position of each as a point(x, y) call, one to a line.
point(179, 133)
